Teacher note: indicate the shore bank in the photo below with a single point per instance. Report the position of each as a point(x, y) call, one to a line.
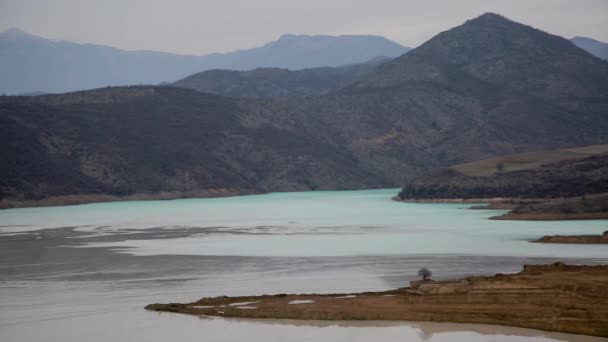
point(53, 201)
point(522, 209)
point(499, 203)
point(551, 216)
point(575, 239)
point(557, 297)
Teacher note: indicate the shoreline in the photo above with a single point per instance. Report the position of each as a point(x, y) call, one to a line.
point(507, 203)
point(497, 203)
point(68, 200)
point(574, 239)
point(551, 216)
point(556, 297)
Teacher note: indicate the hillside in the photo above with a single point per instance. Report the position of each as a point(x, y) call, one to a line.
point(274, 82)
point(572, 175)
point(140, 140)
point(587, 207)
point(30, 63)
point(526, 161)
point(488, 87)
point(594, 47)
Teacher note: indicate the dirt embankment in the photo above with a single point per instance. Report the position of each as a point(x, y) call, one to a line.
point(558, 297)
point(575, 239)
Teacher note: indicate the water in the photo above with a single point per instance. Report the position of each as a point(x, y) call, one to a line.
point(85, 272)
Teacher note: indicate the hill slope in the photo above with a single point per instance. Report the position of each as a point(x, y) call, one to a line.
point(274, 82)
point(30, 64)
point(124, 141)
point(547, 174)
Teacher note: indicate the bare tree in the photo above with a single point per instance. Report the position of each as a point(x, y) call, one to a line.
point(425, 273)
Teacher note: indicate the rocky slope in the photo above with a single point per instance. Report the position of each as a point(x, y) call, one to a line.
point(558, 297)
point(488, 87)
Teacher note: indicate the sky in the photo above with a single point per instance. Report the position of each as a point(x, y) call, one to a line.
point(206, 26)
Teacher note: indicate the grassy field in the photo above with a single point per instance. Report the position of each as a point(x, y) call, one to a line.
point(530, 160)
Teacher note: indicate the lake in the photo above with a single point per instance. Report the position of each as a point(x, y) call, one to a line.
point(85, 272)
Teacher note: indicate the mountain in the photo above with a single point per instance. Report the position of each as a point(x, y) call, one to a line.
point(33, 64)
point(502, 54)
point(275, 82)
point(488, 87)
point(594, 47)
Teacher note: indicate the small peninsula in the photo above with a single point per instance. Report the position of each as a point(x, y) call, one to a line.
point(557, 297)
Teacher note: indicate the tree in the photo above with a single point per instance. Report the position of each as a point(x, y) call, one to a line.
point(500, 166)
point(424, 273)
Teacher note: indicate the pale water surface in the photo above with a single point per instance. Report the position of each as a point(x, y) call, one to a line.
point(84, 273)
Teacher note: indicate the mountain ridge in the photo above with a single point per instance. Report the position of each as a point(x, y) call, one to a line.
point(277, 82)
point(593, 46)
point(30, 63)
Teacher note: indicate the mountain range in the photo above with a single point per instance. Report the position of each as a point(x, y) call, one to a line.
point(30, 63)
point(488, 87)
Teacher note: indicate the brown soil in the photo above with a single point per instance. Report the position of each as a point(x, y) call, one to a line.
point(558, 297)
point(580, 239)
point(552, 216)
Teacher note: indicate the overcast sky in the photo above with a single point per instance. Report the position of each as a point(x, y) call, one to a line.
point(205, 26)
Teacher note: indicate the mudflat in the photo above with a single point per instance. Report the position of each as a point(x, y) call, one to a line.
point(557, 297)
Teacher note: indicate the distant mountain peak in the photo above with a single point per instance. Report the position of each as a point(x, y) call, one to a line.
point(501, 52)
point(16, 33)
point(490, 17)
point(303, 37)
point(14, 30)
point(492, 36)
point(593, 46)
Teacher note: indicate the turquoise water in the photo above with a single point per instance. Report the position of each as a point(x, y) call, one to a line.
point(335, 223)
point(316, 242)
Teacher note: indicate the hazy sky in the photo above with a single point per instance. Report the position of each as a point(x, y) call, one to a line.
point(204, 26)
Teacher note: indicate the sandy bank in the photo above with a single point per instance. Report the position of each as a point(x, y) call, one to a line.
point(558, 297)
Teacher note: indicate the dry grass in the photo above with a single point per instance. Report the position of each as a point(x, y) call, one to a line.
point(558, 297)
point(530, 160)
